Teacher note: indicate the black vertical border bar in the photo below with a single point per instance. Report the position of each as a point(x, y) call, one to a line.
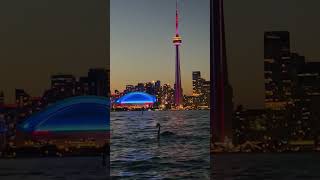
point(108, 14)
point(211, 86)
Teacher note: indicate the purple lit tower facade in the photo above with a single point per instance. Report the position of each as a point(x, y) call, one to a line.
point(221, 93)
point(178, 98)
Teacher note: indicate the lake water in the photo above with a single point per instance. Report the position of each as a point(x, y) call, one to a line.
point(291, 166)
point(66, 168)
point(181, 153)
point(299, 166)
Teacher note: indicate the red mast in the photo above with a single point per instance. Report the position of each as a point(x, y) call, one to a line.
point(177, 38)
point(221, 90)
point(177, 18)
point(177, 42)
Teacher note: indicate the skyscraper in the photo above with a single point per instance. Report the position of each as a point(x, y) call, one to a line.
point(1, 98)
point(129, 88)
point(201, 90)
point(22, 98)
point(276, 44)
point(177, 42)
point(62, 81)
point(292, 89)
point(157, 85)
point(306, 102)
point(196, 83)
point(206, 93)
point(221, 94)
point(140, 87)
point(98, 82)
point(150, 88)
point(278, 66)
point(82, 86)
point(63, 86)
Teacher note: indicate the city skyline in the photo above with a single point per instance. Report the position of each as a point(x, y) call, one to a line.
point(164, 95)
point(123, 87)
point(156, 27)
point(246, 22)
point(58, 78)
point(244, 42)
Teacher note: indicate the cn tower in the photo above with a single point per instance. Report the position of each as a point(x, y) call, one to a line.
point(178, 98)
point(221, 90)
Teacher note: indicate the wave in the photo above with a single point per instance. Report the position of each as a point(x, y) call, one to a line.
point(167, 134)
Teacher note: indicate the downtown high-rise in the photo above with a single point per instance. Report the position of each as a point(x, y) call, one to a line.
point(292, 89)
point(200, 91)
point(277, 69)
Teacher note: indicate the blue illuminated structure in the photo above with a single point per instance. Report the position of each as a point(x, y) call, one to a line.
point(76, 114)
point(3, 130)
point(136, 98)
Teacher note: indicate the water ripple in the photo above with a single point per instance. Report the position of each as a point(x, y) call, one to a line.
point(183, 150)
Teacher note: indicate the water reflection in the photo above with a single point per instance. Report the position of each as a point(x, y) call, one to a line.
point(289, 166)
point(183, 150)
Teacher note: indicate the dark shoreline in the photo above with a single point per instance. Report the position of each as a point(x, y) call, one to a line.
point(139, 110)
point(292, 152)
point(42, 157)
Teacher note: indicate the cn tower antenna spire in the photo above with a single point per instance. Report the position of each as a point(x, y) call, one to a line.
point(177, 18)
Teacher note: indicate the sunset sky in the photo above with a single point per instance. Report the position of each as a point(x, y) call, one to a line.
point(44, 37)
point(141, 41)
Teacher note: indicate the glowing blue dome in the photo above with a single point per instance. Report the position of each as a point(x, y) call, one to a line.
point(82, 113)
point(137, 98)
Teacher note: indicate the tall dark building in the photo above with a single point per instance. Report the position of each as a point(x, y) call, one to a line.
point(201, 90)
point(307, 95)
point(1, 98)
point(129, 88)
point(63, 86)
point(221, 91)
point(150, 88)
point(292, 89)
point(62, 81)
point(158, 89)
point(140, 87)
point(167, 96)
point(206, 89)
point(22, 98)
point(280, 78)
point(276, 44)
point(82, 86)
point(278, 70)
point(99, 85)
point(157, 86)
point(196, 83)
